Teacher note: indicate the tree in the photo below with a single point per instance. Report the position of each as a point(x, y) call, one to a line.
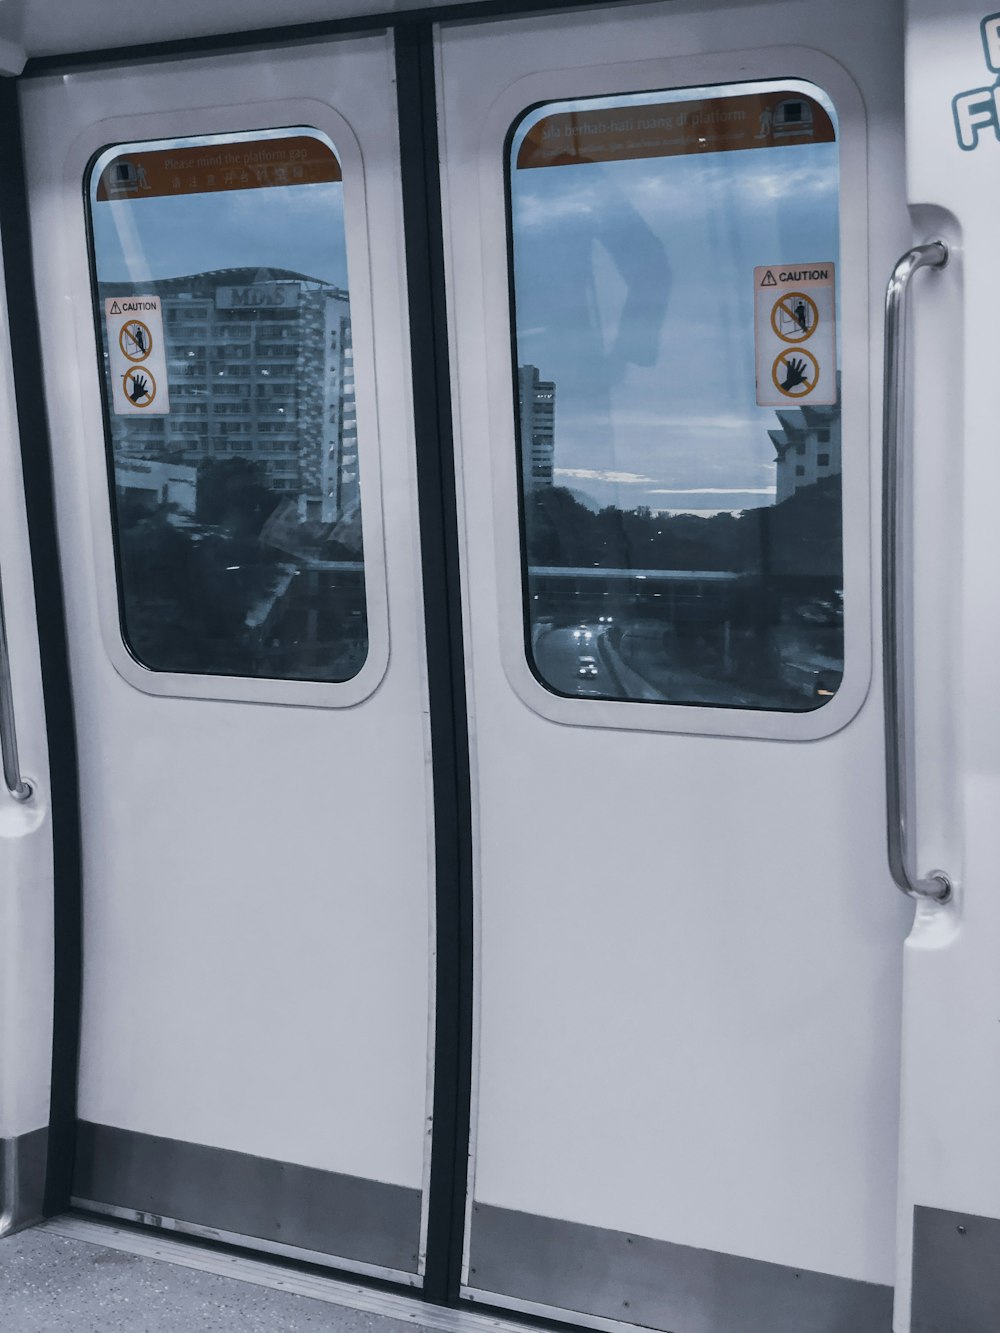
point(233, 494)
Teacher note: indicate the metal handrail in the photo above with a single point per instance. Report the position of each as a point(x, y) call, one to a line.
point(15, 783)
point(936, 884)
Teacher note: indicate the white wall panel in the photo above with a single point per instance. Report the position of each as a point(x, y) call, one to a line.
point(951, 1085)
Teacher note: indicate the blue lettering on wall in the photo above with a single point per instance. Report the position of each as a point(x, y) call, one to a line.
point(977, 110)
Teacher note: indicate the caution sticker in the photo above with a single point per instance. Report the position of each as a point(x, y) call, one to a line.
point(795, 333)
point(138, 362)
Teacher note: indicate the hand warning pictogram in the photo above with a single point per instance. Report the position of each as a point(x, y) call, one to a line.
point(795, 373)
point(140, 387)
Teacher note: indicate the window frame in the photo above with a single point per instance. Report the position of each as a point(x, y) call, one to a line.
point(556, 86)
point(249, 119)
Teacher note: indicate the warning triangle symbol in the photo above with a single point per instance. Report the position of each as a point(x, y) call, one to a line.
point(115, 308)
point(769, 280)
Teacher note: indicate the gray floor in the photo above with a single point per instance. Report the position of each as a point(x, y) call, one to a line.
point(50, 1284)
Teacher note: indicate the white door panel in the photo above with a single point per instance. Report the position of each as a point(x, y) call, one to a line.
point(257, 874)
point(689, 984)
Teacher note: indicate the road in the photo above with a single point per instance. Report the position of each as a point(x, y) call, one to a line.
point(558, 653)
point(746, 669)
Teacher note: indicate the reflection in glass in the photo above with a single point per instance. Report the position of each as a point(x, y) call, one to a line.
point(237, 511)
point(682, 543)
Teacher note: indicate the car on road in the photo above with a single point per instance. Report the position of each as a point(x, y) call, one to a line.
point(587, 667)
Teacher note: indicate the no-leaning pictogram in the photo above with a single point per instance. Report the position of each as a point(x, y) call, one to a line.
point(795, 334)
point(794, 317)
point(795, 372)
point(136, 340)
point(139, 386)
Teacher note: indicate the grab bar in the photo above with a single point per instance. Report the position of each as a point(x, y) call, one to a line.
point(936, 885)
point(16, 785)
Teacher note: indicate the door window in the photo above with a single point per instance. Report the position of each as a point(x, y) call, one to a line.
point(674, 263)
point(221, 291)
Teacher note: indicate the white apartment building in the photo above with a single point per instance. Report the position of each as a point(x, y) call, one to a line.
point(807, 446)
point(260, 366)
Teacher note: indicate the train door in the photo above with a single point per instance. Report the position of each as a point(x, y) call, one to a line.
point(219, 278)
point(669, 231)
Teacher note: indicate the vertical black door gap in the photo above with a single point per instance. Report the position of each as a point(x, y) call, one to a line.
point(436, 497)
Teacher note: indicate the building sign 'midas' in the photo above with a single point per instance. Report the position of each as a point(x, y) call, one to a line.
point(275, 295)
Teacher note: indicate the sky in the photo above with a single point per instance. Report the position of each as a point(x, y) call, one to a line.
point(634, 294)
point(297, 227)
point(633, 287)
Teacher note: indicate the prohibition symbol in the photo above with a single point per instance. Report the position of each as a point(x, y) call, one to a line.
point(139, 386)
point(794, 317)
point(135, 340)
point(795, 372)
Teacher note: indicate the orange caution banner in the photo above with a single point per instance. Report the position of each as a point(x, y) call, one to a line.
point(254, 164)
point(672, 129)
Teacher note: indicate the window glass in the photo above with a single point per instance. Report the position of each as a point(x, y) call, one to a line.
point(674, 275)
point(225, 326)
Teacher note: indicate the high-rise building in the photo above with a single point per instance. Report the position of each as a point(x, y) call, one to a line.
point(807, 447)
point(537, 405)
point(260, 366)
point(338, 481)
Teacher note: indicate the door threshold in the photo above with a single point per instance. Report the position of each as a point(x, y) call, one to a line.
point(276, 1276)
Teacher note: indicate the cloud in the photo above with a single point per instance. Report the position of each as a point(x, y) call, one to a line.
point(699, 513)
point(298, 228)
point(537, 210)
point(753, 185)
point(700, 423)
point(322, 200)
point(714, 490)
point(600, 474)
point(669, 191)
point(696, 422)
